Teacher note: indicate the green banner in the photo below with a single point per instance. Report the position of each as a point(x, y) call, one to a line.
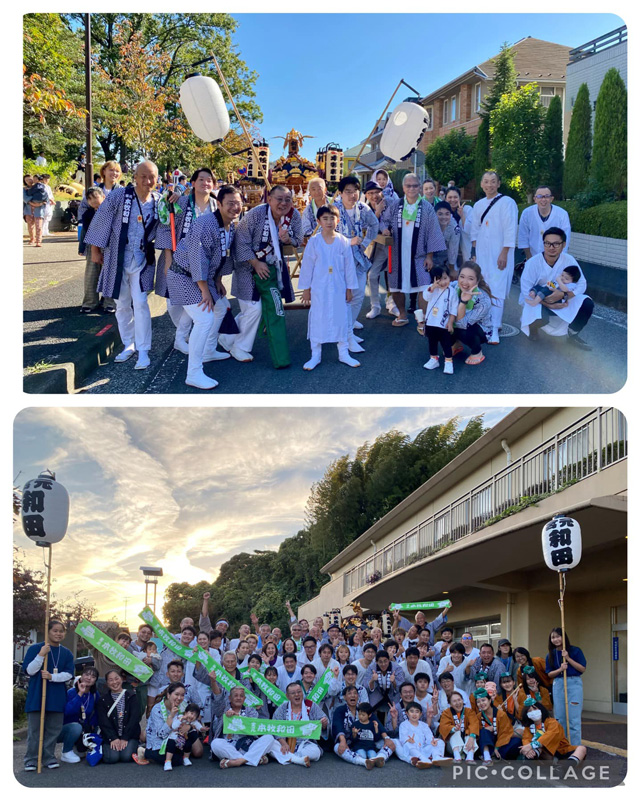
point(105, 644)
point(272, 692)
point(252, 726)
point(196, 655)
point(316, 695)
point(425, 606)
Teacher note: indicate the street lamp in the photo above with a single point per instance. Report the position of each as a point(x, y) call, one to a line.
point(151, 575)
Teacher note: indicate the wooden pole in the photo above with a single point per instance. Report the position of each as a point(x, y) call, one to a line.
point(244, 127)
point(561, 577)
point(88, 170)
point(43, 699)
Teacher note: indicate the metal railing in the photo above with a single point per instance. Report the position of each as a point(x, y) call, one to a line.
point(586, 447)
point(597, 45)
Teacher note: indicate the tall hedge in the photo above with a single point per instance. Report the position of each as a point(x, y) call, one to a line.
point(578, 155)
point(609, 158)
point(482, 158)
point(551, 159)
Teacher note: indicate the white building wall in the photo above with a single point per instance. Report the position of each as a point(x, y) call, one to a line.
point(591, 70)
point(599, 250)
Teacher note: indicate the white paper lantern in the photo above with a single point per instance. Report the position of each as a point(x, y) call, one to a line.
point(204, 108)
point(403, 131)
point(45, 509)
point(562, 543)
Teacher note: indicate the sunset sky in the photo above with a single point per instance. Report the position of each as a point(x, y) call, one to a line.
point(185, 489)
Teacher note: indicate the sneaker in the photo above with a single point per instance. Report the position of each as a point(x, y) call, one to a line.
point(575, 340)
point(167, 766)
point(186, 761)
point(30, 768)
point(125, 354)
point(375, 312)
point(432, 363)
point(85, 310)
point(70, 758)
point(53, 765)
point(448, 368)
point(143, 360)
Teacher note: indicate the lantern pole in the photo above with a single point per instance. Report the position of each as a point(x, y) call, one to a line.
point(43, 700)
point(562, 579)
point(244, 127)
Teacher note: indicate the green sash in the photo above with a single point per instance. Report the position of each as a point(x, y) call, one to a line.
point(426, 605)
point(105, 644)
point(272, 692)
point(317, 694)
point(250, 726)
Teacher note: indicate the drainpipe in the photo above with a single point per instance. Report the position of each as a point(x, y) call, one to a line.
point(510, 602)
point(507, 450)
point(373, 544)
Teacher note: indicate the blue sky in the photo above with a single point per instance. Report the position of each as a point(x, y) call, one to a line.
point(186, 488)
point(305, 83)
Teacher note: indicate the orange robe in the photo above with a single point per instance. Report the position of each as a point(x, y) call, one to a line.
point(540, 665)
point(545, 698)
point(503, 724)
point(553, 739)
point(447, 723)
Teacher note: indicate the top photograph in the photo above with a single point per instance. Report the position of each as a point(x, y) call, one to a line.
point(219, 204)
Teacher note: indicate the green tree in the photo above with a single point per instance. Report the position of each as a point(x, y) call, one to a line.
point(516, 125)
point(551, 159)
point(451, 157)
point(578, 155)
point(609, 159)
point(482, 155)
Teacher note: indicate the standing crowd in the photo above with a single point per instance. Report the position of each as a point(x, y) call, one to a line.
point(418, 695)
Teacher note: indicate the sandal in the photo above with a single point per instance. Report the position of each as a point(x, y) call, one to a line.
point(398, 322)
point(224, 763)
point(457, 348)
point(264, 760)
point(473, 361)
point(420, 328)
point(140, 761)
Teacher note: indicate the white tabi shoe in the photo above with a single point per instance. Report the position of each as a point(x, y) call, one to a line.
point(201, 381)
point(181, 345)
point(225, 340)
point(357, 326)
point(316, 358)
point(143, 360)
point(358, 339)
point(125, 355)
point(432, 363)
point(345, 358)
point(354, 347)
point(214, 355)
point(375, 312)
point(495, 337)
point(240, 355)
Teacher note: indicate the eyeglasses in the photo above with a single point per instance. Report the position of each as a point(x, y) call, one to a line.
point(412, 186)
point(351, 191)
point(542, 196)
point(553, 244)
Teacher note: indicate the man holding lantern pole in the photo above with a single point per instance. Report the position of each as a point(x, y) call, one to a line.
point(53, 663)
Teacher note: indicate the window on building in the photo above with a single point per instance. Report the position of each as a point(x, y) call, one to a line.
point(483, 631)
point(478, 97)
point(454, 104)
point(429, 110)
point(445, 112)
point(546, 93)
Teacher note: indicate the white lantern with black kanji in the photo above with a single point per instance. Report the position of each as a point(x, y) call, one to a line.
point(403, 131)
point(204, 108)
point(562, 543)
point(45, 509)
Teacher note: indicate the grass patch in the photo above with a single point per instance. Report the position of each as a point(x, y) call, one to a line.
point(40, 366)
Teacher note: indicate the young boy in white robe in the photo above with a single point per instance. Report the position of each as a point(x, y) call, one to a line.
point(328, 278)
point(421, 748)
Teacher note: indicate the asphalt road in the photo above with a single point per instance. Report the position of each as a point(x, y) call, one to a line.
point(392, 363)
point(330, 771)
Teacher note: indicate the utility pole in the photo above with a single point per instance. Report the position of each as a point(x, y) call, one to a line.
point(88, 170)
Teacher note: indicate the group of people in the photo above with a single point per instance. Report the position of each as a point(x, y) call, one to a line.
point(417, 694)
point(37, 206)
point(450, 264)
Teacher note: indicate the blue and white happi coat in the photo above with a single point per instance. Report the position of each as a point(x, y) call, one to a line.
point(183, 223)
point(252, 234)
point(427, 238)
point(105, 232)
point(200, 256)
point(364, 221)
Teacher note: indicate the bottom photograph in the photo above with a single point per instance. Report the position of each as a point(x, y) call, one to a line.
point(345, 597)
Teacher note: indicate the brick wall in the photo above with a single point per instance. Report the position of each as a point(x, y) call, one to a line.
point(599, 250)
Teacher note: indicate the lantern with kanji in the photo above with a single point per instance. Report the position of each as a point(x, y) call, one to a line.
point(45, 510)
point(562, 543)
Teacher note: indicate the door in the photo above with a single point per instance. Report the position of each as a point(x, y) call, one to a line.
point(619, 658)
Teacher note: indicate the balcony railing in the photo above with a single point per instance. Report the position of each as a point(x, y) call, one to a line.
point(593, 443)
point(597, 45)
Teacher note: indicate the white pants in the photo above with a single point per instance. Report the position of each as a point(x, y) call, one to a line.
point(132, 312)
point(180, 319)
point(379, 263)
point(349, 756)
point(248, 321)
point(206, 325)
point(358, 296)
point(409, 751)
point(223, 748)
point(305, 748)
point(497, 309)
point(456, 740)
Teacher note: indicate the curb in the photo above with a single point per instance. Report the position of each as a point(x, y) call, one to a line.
point(20, 733)
point(91, 350)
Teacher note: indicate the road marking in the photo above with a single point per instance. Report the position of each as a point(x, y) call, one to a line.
point(605, 748)
point(610, 322)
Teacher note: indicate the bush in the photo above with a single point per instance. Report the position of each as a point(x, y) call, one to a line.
point(19, 700)
point(60, 171)
point(578, 155)
point(606, 219)
point(609, 154)
point(593, 195)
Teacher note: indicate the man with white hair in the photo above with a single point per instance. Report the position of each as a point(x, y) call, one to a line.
point(317, 198)
point(121, 236)
point(416, 236)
